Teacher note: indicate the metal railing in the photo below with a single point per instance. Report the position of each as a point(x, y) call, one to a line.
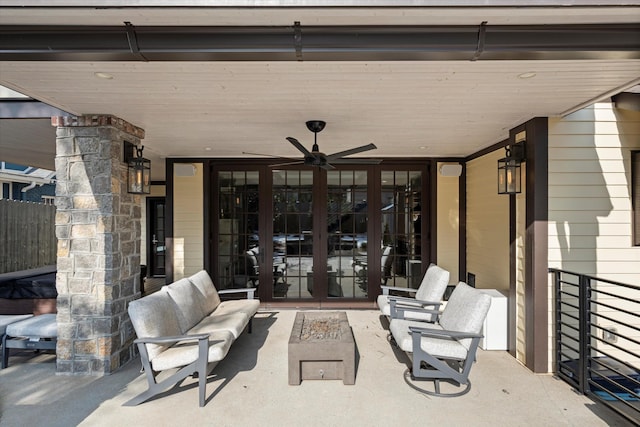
point(597, 339)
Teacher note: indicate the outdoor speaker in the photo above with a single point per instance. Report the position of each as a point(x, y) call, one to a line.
point(184, 169)
point(451, 170)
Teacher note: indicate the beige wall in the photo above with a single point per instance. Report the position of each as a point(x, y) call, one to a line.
point(188, 224)
point(448, 224)
point(156, 191)
point(487, 224)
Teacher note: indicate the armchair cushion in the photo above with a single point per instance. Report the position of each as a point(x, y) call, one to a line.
point(432, 288)
point(435, 281)
point(465, 311)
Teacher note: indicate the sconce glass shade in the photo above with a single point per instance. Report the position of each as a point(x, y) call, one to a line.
point(509, 176)
point(139, 174)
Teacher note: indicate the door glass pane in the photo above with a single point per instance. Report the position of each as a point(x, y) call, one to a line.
point(401, 202)
point(238, 229)
point(157, 242)
point(293, 233)
point(347, 219)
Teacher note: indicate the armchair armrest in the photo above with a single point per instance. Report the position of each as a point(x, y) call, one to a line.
point(249, 291)
point(413, 301)
point(398, 308)
point(386, 289)
point(442, 333)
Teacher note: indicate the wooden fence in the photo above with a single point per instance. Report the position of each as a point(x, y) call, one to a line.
point(27, 235)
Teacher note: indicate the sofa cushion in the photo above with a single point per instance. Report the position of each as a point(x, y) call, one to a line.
point(247, 306)
point(203, 283)
point(232, 322)
point(189, 303)
point(184, 353)
point(154, 316)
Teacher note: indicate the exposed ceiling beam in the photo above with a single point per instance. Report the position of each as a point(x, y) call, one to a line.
point(319, 43)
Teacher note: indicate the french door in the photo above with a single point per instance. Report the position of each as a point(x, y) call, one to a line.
point(308, 234)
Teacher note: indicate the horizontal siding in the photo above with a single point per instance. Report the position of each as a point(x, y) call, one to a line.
point(188, 223)
point(589, 192)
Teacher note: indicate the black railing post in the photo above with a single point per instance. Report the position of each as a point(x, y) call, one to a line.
point(558, 317)
point(584, 326)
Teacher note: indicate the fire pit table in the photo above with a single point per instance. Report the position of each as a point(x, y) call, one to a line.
point(321, 347)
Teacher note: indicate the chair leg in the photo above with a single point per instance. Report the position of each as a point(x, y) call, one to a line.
point(5, 352)
point(203, 349)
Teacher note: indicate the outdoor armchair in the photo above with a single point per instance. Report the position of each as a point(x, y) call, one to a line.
point(428, 295)
point(446, 350)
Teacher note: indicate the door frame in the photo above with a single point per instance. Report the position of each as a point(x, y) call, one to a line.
point(424, 165)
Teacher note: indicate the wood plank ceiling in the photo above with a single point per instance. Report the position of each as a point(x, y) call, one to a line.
point(407, 108)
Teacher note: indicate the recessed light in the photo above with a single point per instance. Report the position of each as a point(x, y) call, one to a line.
point(102, 75)
point(423, 147)
point(527, 75)
point(207, 148)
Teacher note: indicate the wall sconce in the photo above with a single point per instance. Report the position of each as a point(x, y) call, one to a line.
point(138, 170)
point(509, 169)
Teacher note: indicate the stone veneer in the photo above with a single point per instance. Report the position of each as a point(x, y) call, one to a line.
point(98, 231)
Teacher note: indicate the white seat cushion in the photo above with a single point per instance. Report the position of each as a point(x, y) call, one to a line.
point(184, 353)
point(247, 306)
point(232, 322)
point(43, 326)
point(399, 328)
point(447, 348)
point(7, 319)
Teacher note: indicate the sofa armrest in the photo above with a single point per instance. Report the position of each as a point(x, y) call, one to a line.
point(249, 291)
point(171, 339)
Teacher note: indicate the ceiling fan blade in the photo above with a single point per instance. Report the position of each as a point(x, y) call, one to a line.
point(351, 151)
point(344, 161)
point(299, 146)
point(269, 155)
point(299, 162)
point(327, 166)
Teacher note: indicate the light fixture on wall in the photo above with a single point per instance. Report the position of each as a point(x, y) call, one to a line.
point(138, 169)
point(510, 170)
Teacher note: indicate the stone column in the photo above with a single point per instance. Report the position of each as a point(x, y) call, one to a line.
point(98, 231)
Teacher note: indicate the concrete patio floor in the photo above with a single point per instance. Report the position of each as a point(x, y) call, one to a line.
point(250, 388)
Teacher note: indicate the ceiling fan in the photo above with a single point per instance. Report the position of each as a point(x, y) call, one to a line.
point(326, 161)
